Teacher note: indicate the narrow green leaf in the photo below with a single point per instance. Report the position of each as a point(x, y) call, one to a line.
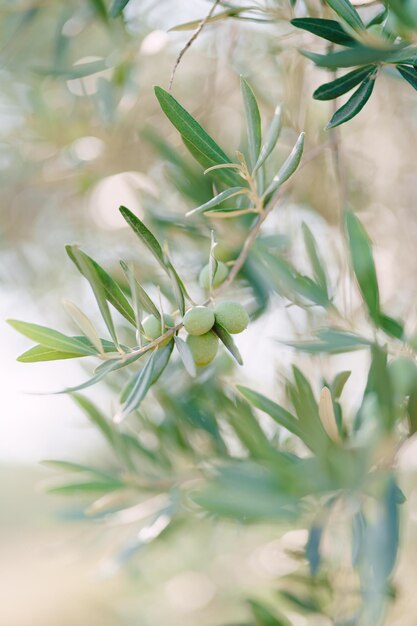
point(280, 415)
point(342, 85)
point(391, 326)
point(145, 378)
point(220, 175)
point(292, 284)
point(339, 383)
point(264, 617)
point(359, 55)
point(326, 29)
point(52, 339)
point(224, 195)
point(313, 255)
point(271, 138)
point(347, 12)
point(108, 287)
point(88, 269)
point(100, 8)
point(363, 263)
point(253, 121)
point(75, 72)
point(186, 356)
point(95, 416)
point(143, 298)
point(117, 7)
point(331, 341)
point(100, 373)
point(289, 167)
point(87, 486)
point(192, 132)
point(111, 289)
point(152, 244)
point(138, 391)
point(43, 353)
point(354, 105)
point(144, 234)
point(84, 324)
point(409, 74)
point(228, 342)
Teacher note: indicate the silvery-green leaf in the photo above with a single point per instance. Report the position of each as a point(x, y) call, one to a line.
point(84, 324)
point(186, 356)
point(289, 167)
point(270, 139)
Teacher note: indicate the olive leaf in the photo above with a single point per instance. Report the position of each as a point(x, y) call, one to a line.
point(289, 166)
point(271, 138)
point(355, 103)
point(326, 29)
point(194, 134)
point(343, 84)
point(253, 121)
point(228, 342)
point(53, 339)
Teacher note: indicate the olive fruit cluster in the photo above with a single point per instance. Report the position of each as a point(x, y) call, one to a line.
point(199, 321)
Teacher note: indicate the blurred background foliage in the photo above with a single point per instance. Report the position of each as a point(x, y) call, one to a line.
point(81, 133)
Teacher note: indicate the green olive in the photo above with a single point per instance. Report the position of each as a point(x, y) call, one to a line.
point(232, 316)
point(222, 252)
point(153, 328)
point(198, 320)
point(203, 347)
point(218, 279)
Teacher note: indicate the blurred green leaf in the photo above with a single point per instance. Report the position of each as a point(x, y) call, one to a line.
point(331, 341)
point(347, 12)
point(363, 263)
point(117, 7)
point(264, 617)
point(313, 254)
point(75, 72)
point(280, 415)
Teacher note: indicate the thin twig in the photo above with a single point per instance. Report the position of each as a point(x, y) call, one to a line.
point(192, 40)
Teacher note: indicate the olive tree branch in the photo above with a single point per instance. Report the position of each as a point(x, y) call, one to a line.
point(237, 266)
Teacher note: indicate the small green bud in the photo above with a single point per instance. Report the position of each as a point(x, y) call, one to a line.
point(218, 279)
point(403, 373)
point(203, 347)
point(153, 328)
point(198, 320)
point(232, 316)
